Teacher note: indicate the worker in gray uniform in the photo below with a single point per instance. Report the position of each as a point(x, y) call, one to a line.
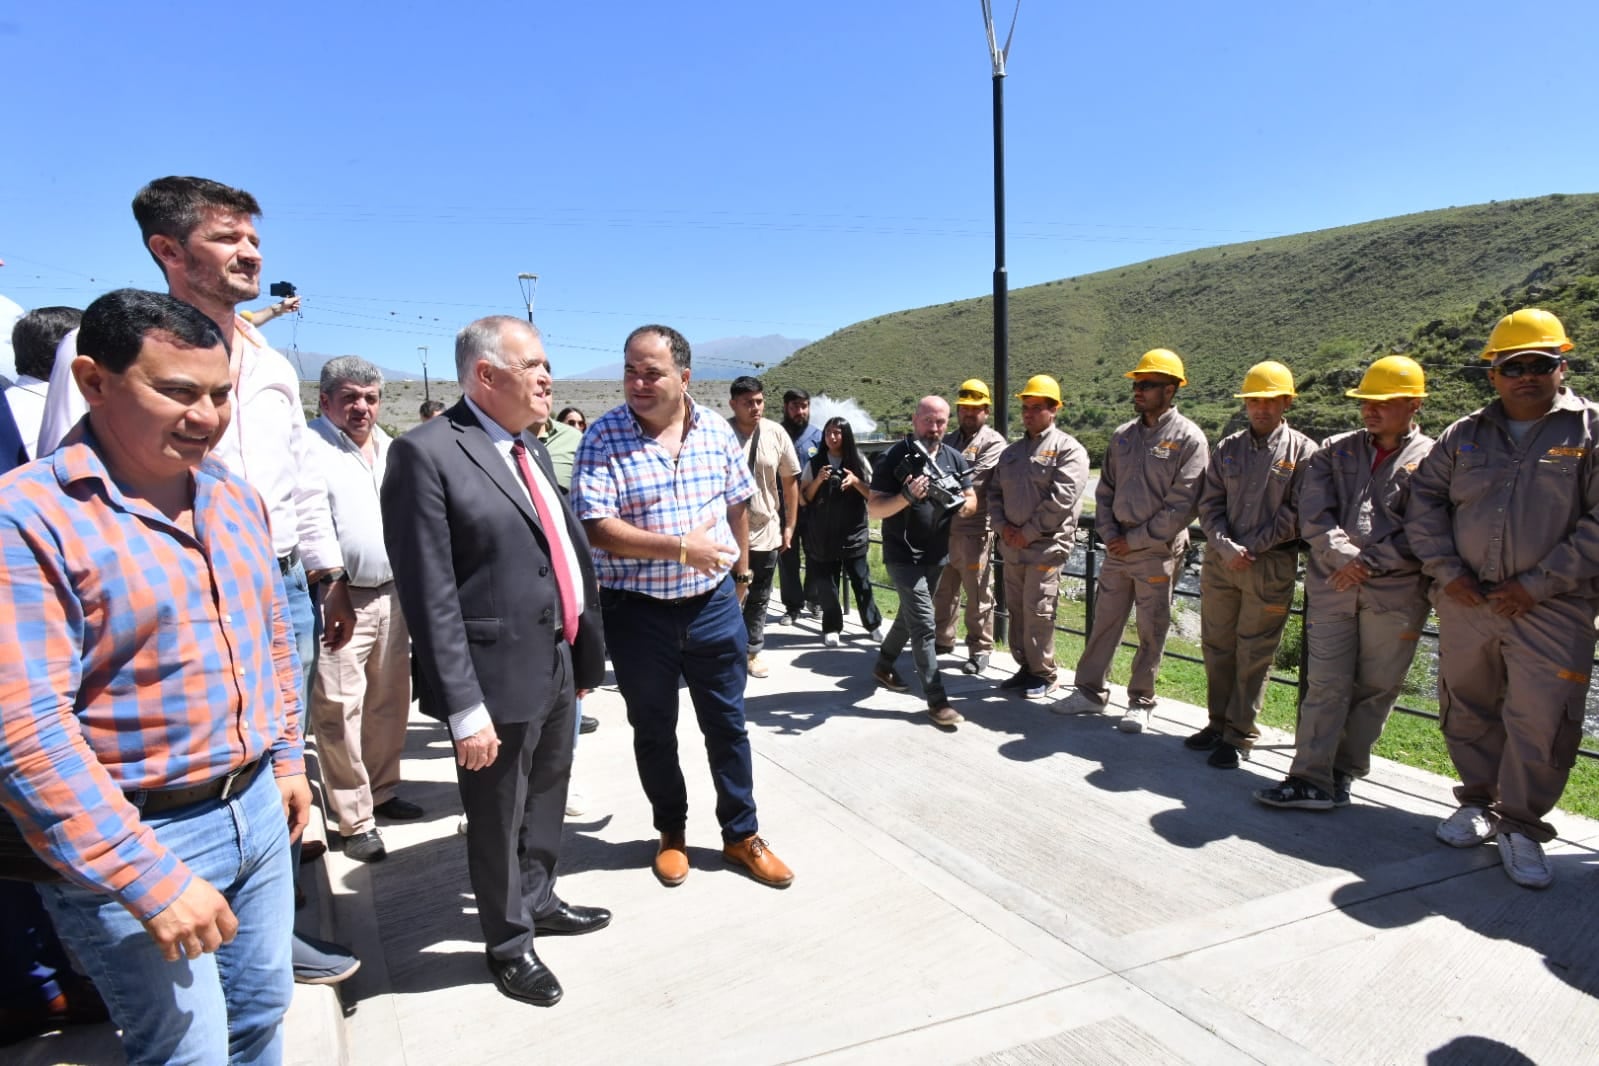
point(1366, 597)
point(1246, 584)
point(1148, 493)
point(1505, 517)
point(971, 540)
point(1034, 499)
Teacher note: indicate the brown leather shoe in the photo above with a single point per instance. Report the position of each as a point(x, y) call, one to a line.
point(671, 860)
point(755, 855)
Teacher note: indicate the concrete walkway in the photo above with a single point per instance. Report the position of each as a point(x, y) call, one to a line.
point(1029, 889)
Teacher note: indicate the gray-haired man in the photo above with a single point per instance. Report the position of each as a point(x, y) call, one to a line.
point(362, 692)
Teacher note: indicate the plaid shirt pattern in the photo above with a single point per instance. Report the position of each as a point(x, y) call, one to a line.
point(137, 658)
point(621, 472)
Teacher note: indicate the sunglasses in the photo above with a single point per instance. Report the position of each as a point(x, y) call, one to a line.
point(968, 394)
point(1140, 386)
point(1541, 367)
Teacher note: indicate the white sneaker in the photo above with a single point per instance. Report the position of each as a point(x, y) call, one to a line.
point(830, 640)
point(1466, 828)
point(878, 633)
point(1134, 721)
point(577, 804)
point(1524, 861)
point(1079, 702)
point(460, 826)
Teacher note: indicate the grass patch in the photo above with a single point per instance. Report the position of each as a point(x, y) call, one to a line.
point(1406, 739)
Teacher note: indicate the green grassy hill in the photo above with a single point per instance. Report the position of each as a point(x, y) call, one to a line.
point(1326, 303)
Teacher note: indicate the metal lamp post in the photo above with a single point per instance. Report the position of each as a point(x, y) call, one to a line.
point(1001, 282)
point(427, 392)
point(530, 284)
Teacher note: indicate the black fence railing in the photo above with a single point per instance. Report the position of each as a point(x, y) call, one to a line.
point(1088, 540)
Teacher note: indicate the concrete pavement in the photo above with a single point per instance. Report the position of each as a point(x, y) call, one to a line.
point(1028, 889)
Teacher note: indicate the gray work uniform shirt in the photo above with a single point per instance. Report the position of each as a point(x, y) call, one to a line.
point(1251, 491)
point(1484, 505)
point(1349, 511)
point(1038, 488)
point(1149, 486)
point(981, 452)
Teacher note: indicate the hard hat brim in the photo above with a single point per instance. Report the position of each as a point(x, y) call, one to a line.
point(1133, 375)
point(1356, 394)
point(1263, 395)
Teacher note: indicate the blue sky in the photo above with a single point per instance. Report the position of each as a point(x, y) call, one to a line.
point(747, 168)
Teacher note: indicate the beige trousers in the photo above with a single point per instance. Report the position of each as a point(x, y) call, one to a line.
point(1357, 663)
point(1241, 619)
point(967, 571)
point(1032, 592)
point(359, 705)
point(1147, 582)
point(1511, 697)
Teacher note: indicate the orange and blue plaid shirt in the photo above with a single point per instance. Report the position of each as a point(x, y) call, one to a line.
point(135, 657)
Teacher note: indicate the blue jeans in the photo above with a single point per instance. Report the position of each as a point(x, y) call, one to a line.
point(307, 628)
point(222, 1007)
point(702, 641)
point(914, 621)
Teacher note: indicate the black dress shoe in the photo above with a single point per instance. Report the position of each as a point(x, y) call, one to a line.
point(585, 724)
point(398, 810)
point(527, 979)
point(567, 920)
point(365, 847)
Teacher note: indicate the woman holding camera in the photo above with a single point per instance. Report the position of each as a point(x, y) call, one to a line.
point(834, 486)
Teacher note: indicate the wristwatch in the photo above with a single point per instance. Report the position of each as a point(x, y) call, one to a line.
point(338, 573)
point(744, 578)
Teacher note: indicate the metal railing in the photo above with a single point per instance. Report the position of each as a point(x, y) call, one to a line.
point(1089, 574)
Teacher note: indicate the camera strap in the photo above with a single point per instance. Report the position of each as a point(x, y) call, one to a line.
point(755, 444)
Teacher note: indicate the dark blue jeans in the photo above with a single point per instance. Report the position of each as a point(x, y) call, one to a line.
point(655, 644)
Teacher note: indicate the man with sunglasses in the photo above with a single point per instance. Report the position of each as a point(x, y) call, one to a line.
point(1505, 517)
point(1148, 493)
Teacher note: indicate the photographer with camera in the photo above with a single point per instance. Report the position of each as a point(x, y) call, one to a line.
point(917, 491)
point(834, 486)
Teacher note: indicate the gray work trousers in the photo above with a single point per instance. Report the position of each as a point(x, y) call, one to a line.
point(1147, 582)
point(966, 572)
point(1032, 593)
point(1511, 697)
point(1241, 619)
point(1358, 658)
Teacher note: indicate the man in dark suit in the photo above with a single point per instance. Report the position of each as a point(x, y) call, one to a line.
point(498, 590)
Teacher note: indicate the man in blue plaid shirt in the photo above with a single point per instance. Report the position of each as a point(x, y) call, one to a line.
point(663, 490)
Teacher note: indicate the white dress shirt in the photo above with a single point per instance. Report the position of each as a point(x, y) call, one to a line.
point(266, 443)
point(353, 486)
point(26, 399)
point(465, 723)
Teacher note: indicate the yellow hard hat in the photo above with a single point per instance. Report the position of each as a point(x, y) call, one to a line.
point(1160, 361)
point(1530, 327)
point(1042, 386)
point(1390, 378)
point(973, 393)
point(1267, 379)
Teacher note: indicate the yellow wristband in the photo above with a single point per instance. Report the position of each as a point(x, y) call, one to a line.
point(682, 551)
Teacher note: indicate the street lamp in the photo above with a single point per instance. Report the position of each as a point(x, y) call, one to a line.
point(1001, 285)
point(427, 393)
point(529, 283)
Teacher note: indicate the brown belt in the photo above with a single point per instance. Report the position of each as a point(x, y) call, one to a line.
point(156, 800)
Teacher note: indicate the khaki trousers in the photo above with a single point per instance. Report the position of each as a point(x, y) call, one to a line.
point(1511, 697)
point(1147, 582)
point(1032, 592)
point(967, 571)
point(1357, 662)
point(1241, 619)
point(359, 705)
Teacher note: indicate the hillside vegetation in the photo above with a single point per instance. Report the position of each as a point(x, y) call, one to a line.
point(1326, 303)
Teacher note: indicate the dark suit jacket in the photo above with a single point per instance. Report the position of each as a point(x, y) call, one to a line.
point(472, 569)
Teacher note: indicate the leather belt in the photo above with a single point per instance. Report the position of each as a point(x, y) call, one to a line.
point(156, 800)
point(286, 562)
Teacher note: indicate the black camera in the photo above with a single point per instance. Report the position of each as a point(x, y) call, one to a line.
point(281, 288)
point(944, 489)
point(836, 473)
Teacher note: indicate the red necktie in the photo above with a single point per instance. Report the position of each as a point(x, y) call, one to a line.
point(564, 581)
